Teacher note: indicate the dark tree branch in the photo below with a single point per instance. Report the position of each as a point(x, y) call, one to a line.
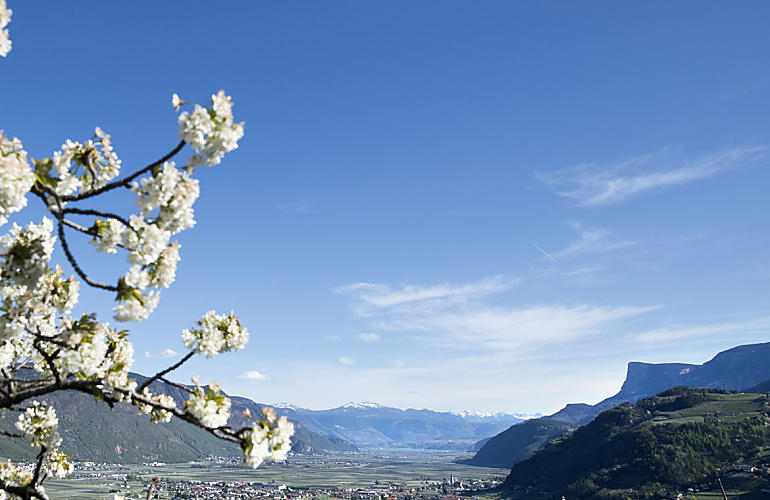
point(74, 263)
point(36, 479)
point(97, 213)
point(24, 492)
point(78, 227)
point(160, 374)
point(175, 384)
point(124, 182)
point(49, 360)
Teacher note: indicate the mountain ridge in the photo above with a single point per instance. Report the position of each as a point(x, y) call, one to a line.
point(739, 368)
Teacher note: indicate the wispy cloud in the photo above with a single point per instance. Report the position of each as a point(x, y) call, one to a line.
point(592, 184)
point(458, 316)
point(546, 254)
point(374, 296)
point(369, 337)
point(511, 329)
point(302, 207)
point(582, 271)
point(344, 360)
point(168, 353)
point(730, 328)
point(593, 240)
point(253, 375)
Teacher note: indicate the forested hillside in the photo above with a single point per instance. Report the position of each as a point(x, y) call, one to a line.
point(673, 440)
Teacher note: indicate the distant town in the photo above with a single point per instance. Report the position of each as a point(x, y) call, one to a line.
point(349, 477)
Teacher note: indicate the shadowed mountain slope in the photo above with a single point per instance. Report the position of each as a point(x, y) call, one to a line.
point(91, 431)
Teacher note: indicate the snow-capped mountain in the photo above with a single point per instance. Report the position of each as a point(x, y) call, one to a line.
point(362, 404)
point(482, 415)
point(287, 406)
point(372, 425)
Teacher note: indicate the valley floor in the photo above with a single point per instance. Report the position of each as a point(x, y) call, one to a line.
point(345, 476)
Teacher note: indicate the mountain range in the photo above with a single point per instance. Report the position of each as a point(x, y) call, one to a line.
point(745, 367)
point(370, 425)
point(92, 432)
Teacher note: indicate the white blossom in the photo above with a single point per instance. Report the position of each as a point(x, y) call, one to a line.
point(209, 406)
point(5, 18)
point(164, 271)
point(12, 473)
point(118, 363)
point(90, 164)
point(16, 176)
point(158, 414)
point(145, 242)
point(54, 292)
point(270, 437)
point(86, 349)
point(68, 182)
point(40, 424)
point(173, 193)
point(210, 132)
point(13, 350)
point(27, 252)
point(58, 464)
point(216, 333)
point(222, 105)
point(137, 277)
point(176, 101)
point(135, 306)
point(110, 234)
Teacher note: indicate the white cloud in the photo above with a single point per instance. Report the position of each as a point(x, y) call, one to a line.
point(344, 360)
point(593, 240)
point(457, 316)
point(168, 353)
point(373, 296)
point(591, 184)
point(724, 329)
point(253, 375)
point(369, 337)
point(511, 329)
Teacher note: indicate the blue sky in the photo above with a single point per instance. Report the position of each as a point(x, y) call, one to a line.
point(491, 206)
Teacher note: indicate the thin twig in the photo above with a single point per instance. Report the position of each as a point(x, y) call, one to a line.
point(74, 263)
point(97, 213)
point(48, 359)
point(87, 230)
point(39, 466)
point(167, 370)
point(176, 384)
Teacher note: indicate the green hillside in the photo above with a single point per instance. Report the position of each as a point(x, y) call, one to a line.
point(672, 441)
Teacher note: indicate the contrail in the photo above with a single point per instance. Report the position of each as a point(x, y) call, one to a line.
point(546, 254)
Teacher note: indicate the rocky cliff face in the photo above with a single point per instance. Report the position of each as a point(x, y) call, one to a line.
point(738, 368)
point(646, 379)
